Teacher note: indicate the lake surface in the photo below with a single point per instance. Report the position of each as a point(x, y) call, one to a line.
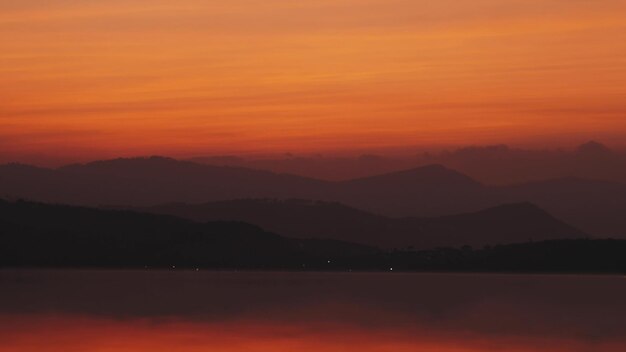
point(138, 311)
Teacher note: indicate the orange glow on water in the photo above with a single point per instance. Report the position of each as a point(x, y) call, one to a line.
point(76, 334)
point(141, 311)
point(114, 78)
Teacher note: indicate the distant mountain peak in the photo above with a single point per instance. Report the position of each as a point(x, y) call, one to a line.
point(422, 180)
point(593, 147)
point(434, 172)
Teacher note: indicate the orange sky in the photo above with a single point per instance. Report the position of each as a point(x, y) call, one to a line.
point(90, 79)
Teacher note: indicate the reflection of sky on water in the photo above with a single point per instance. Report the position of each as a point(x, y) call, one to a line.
point(260, 310)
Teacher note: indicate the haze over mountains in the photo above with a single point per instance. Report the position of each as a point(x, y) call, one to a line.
point(237, 217)
point(511, 223)
point(430, 190)
point(595, 207)
point(493, 165)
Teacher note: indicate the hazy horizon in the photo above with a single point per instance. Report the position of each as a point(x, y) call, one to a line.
point(405, 153)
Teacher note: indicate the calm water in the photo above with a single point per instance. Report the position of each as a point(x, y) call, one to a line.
point(109, 311)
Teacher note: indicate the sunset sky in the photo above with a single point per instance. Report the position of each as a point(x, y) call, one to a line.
point(91, 79)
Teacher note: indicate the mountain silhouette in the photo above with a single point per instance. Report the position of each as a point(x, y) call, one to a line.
point(155, 180)
point(595, 207)
point(425, 191)
point(503, 165)
point(490, 164)
point(511, 223)
point(593, 148)
point(147, 181)
point(36, 234)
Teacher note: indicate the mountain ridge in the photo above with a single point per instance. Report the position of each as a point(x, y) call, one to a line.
point(508, 223)
point(40, 234)
point(37, 235)
point(430, 191)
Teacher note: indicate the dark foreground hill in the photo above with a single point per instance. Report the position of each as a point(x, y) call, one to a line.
point(557, 256)
point(511, 223)
point(35, 234)
point(40, 235)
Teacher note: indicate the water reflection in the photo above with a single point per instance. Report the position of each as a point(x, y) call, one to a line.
point(208, 311)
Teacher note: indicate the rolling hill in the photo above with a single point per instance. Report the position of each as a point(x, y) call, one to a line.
point(511, 223)
point(37, 235)
point(46, 235)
